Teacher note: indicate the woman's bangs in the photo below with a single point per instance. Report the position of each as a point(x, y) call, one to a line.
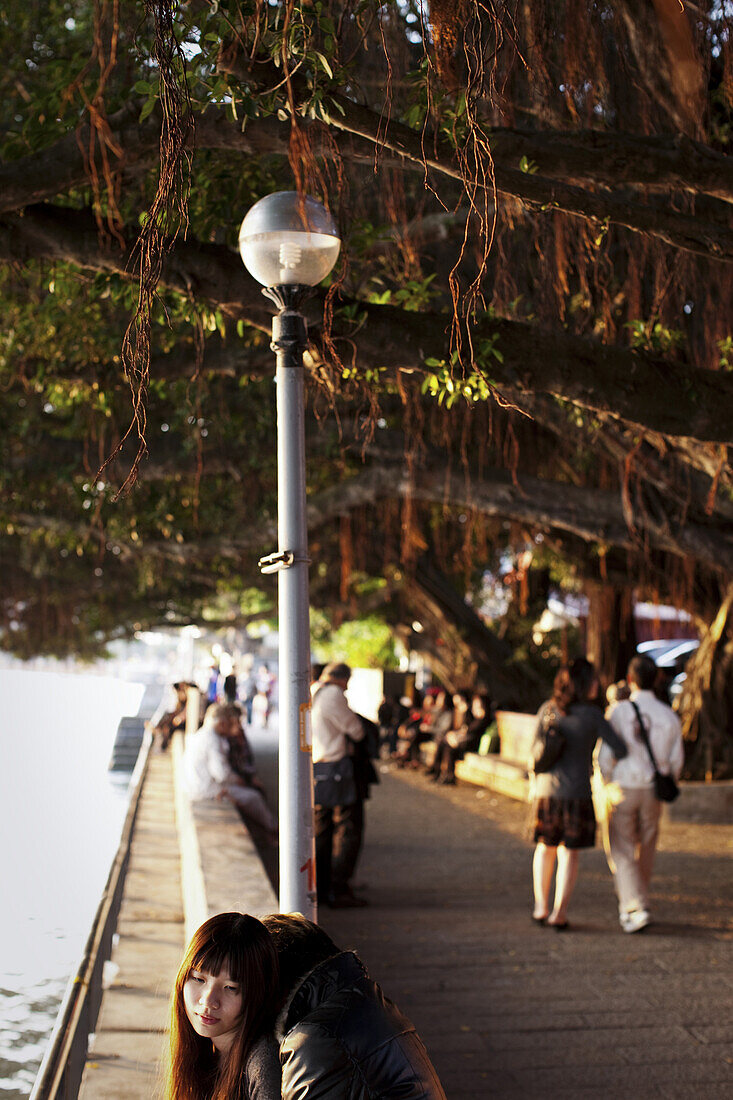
point(213, 959)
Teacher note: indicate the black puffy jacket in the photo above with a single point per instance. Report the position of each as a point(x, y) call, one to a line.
point(341, 1039)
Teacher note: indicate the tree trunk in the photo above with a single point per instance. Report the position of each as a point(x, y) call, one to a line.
point(611, 632)
point(467, 653)
point(706, 706)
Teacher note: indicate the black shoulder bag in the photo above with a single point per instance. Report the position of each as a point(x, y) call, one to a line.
point(333, 780)
point(665, 788)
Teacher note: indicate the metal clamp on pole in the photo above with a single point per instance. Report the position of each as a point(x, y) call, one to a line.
point(273, 563)
point(289, 335)
point(283, 559)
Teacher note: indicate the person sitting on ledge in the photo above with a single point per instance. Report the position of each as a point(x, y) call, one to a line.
point(174, 715)
point(208, 773)
point(471, 719)
point(430, 725)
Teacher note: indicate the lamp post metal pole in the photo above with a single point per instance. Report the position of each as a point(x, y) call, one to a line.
point(297, 850)
point(289, 242)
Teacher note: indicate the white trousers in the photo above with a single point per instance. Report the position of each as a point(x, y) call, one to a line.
point(630, 839)
point(253, 804)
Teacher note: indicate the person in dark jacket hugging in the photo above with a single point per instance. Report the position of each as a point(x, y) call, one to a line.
point(340, 1037)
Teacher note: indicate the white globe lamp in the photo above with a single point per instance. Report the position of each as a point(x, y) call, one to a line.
point(288, 239)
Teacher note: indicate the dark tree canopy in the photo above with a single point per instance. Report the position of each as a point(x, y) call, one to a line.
point(529, 332)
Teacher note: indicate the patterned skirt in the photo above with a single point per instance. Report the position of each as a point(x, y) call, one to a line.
point(568, 821)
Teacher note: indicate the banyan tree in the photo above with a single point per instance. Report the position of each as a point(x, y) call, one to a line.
point(525, 350)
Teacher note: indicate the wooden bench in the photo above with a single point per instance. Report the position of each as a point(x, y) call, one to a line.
point(505, 771)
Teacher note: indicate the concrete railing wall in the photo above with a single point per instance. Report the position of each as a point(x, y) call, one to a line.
point(221, 869)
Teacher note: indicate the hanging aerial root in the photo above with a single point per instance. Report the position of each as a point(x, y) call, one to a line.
point(166, 218)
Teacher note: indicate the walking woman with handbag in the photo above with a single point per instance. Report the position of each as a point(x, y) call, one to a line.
point(635, 789)
point(568, 727)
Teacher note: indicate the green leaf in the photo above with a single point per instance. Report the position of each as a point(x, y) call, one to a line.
point(324, 64)
point(148, 108)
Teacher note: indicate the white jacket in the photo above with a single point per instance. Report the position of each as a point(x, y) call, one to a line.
point(206, 767)
point(332, 720)
point(665, 737)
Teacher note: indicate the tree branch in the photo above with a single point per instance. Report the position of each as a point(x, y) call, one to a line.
point(590, 514)
point(712, 241)
point(596, 157)
point(652, 393)
point(591, 158)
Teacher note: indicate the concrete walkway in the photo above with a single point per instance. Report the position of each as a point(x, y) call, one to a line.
point(124, 1060)
point(510, 1009)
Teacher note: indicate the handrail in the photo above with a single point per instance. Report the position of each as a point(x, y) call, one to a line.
point(60, 1072)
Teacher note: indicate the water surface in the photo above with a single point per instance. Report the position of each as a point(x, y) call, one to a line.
point(61, 814)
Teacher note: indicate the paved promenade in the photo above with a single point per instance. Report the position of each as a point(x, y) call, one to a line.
point(508, 1009)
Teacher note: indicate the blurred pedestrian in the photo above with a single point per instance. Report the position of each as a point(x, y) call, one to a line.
point(339, 810)
point(249, 690)
point(242, 760)
point(391, 714)
point(632, 808)
point(563, 809)
point(212, 686)
point(409, 735)
point(471, 719)
point(174, 715)
point(363, 753)
point(209, 774)
point(438, 722)
point(615, 693)
point(230, 686)
point(260, 709)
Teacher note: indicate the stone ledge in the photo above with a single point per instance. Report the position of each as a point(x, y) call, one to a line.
point(221, 869)
point(498, 774)
point(234, 877)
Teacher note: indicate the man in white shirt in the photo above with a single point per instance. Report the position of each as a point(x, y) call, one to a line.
point(632, 809)
point(207, 772)
point(338, 827)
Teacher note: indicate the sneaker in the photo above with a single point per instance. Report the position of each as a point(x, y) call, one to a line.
point(635, 921)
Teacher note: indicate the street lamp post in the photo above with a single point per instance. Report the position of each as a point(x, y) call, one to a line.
point(289, 243)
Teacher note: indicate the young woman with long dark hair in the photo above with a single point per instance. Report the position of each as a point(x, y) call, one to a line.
point(564, 817)
point(222, 1012)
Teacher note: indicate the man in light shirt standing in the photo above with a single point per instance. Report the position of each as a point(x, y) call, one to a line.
point(632, 809)
point(337, 824)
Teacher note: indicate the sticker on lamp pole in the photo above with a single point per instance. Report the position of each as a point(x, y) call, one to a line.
point(306, 730)
point(310, 868)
